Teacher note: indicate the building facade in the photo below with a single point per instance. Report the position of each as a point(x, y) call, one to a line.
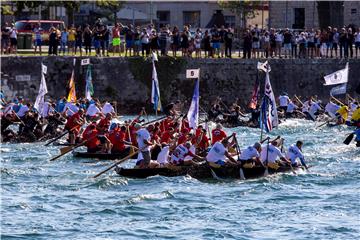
point(313, 14)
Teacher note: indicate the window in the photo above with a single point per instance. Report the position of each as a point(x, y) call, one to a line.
point(164, 17)
point(192, 18)
point(353, 11)
point(229, 21)
point(299, 22)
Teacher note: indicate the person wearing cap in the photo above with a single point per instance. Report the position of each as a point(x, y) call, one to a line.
point(250, 156)
point(218, 134)
point(218, 155)
point(295, 152)
point(143, 141)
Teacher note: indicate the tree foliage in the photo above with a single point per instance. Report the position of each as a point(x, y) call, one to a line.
point(245, 9)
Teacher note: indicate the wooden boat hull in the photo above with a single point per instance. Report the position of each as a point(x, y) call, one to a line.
point(199, 172)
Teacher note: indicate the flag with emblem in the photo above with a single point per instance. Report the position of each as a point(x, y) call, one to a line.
point(337, 77)
point(269, 117)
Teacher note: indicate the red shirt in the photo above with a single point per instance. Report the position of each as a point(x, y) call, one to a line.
point(204, 142)
point(166, 137)
point(182, 139)
point(217, 135)
point(71, 122)
point(103, 124)
point(117, 138)
point(91, 136)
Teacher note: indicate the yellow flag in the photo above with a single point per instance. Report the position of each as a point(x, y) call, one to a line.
point(72, 93)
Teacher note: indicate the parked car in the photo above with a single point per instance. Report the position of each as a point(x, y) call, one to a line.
point(27, 27)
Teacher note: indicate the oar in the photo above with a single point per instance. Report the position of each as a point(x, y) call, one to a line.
point(242, 176)
point(349, 139)
point(338, 101)
point(118, 162)
point(161, 118)
point(65, 150)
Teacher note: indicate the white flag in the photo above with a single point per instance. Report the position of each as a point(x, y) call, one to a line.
point(154, 57)
point(155, 90)
point(44, 68)
point(337, 77)
point(193, 113)
point(192, 73)
point(85, 61)
point(39, 102)
point(264, 66)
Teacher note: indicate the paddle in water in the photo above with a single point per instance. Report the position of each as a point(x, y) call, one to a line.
point(349, 139)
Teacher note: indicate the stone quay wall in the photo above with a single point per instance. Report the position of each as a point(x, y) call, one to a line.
point(128, 80)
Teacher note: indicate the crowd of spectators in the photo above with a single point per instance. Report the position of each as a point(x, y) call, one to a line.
point(215, 42)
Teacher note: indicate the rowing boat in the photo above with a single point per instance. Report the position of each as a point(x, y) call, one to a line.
point(199, 172)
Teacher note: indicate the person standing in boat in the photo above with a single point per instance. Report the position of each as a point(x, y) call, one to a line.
point(270, 153)
point(143, 141)
point(218, 154)
point(295, 152)
point(250, 156)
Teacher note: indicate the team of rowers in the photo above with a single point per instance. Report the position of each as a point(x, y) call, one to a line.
point(34, 126)
point(311, 109)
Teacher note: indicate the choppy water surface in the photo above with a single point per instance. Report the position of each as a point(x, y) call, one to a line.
point(61, 200)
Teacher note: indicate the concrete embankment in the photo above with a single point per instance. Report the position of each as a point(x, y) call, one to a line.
point(128, 80)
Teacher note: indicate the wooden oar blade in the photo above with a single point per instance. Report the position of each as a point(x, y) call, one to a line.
point(349, 139)
point(65, 149)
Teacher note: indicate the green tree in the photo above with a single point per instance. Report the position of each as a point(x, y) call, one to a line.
point(245, 9)
point(112, 6)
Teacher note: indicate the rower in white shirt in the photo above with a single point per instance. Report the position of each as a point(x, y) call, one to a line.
point(107, 108)
point(283, 101)
point(70, 109)
point(313, 110)
point(295, 152)
point(92, 111)
point(270, 154)
point(291, 109)
point(217, 155)
point(250, 156)
point(331, 109)
point(23, 110)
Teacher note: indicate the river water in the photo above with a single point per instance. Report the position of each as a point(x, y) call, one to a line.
point(61, 200)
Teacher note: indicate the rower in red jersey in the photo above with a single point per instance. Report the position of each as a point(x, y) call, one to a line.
point(218, 134)
point(91, 138)
point(104, 123)
point(73, 125)
point(117, 138)
point(167, 135)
